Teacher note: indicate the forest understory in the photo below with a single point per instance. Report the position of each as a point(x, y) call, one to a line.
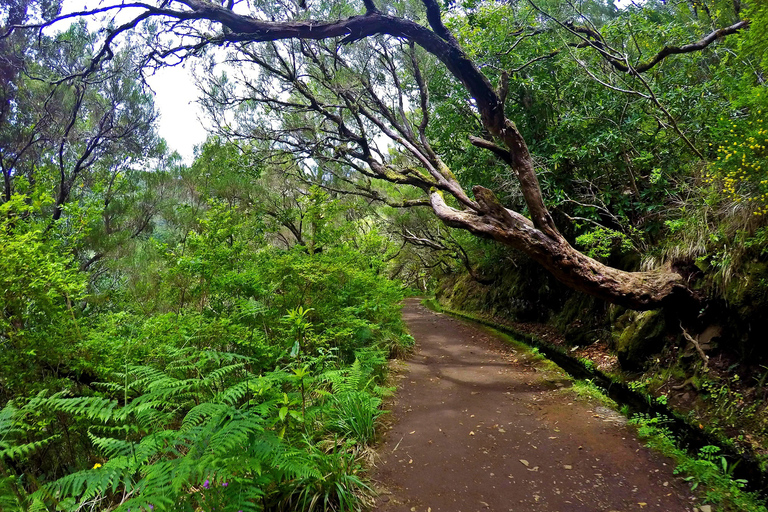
point(214, 332)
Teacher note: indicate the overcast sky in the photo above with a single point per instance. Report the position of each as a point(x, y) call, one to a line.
point(180, 116)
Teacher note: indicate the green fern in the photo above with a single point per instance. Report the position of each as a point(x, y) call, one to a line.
point(202, 431)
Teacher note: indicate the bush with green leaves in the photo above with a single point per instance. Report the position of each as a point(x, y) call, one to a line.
point(710, 472)
point(239, 377)
point(39, 292)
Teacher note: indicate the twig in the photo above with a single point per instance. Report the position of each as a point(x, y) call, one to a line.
point(695, 342)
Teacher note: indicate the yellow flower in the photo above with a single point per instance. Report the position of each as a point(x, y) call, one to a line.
point(96, 466)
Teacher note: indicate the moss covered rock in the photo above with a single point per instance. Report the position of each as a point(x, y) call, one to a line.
point(640, 335)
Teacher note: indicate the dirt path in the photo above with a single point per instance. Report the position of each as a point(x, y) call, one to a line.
point(478, 427)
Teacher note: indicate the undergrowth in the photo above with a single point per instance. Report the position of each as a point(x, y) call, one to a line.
point(203, 433)
point(588, 389)
point(709, 473)
point(225, 377)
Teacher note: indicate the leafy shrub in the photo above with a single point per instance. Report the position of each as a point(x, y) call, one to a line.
point(602, 242)
point(742, 163)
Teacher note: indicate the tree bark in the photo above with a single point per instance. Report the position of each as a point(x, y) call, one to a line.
point(634, 290)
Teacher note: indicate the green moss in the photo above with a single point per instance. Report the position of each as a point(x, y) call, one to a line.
point(591, 391)
point(750, 292)
point(642, 336)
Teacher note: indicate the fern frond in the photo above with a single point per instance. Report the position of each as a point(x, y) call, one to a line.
point(90, 407)
point(200, 413)
point(23, 450)
point(8, 427)
point(235, 435)
point(222, 372)
point(237, 392)
point(111, 447)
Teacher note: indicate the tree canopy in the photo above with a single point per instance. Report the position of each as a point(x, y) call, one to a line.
point(353, 73)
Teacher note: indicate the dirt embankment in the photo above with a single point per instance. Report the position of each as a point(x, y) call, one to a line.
point(477, 426)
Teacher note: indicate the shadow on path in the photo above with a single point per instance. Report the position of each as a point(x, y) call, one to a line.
point(477, 428)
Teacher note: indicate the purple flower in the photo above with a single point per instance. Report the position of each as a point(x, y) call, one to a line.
point(225, 484)
point(206, 484)
point(151, 507)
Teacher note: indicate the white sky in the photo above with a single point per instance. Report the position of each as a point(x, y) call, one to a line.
point(181, 117)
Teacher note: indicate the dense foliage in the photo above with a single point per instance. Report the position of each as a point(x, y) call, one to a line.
point(175, 338)
point(214, 335)
point(216, 372)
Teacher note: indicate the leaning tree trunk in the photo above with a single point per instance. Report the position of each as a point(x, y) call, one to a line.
point(483, 216)
point(634, 290)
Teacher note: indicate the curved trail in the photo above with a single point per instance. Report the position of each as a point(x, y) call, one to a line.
point(477, 426)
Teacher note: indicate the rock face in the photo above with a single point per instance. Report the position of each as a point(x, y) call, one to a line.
point(637, 335)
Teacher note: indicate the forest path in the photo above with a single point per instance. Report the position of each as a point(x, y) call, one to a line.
point(478, 426)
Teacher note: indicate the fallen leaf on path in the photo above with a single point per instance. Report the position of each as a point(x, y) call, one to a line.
point(471, 432)
point(413, 432)
point(568, 466)
point(525, 462)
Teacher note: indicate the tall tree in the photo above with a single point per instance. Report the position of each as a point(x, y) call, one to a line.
point(59, 125)
point(180, 28)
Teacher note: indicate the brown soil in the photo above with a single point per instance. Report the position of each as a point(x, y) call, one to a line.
point(477, 426)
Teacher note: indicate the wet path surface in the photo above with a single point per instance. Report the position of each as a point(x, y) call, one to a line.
point(476, 426)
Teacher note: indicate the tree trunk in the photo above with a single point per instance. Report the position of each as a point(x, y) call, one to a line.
point(634, 290)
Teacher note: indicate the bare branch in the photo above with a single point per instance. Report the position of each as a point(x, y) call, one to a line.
point(688, 48)
point(593, 38)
